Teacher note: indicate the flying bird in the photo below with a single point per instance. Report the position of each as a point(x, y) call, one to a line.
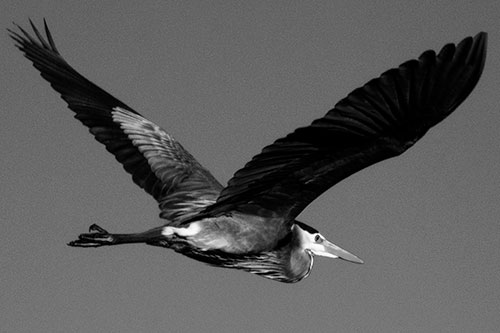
point(250, 224)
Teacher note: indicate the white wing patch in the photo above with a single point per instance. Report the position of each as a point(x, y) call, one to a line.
point(191, 230)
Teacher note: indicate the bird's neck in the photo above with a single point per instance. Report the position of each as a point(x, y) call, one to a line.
point(300, 263)
point(296, 261)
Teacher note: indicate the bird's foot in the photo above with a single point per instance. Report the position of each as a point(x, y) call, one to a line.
point(96, 237)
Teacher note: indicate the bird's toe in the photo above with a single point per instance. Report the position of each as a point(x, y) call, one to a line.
point(95, 228)
point(96, 237)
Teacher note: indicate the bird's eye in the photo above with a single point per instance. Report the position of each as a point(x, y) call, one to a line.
point(318, 239)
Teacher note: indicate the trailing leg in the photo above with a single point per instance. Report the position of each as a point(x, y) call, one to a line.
point(98, 236)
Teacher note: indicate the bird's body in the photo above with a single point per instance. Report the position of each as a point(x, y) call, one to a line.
point(250, 224)
point(236, 233)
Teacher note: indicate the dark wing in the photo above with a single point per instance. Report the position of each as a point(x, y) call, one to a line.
point(157, 162)
point(377, 121)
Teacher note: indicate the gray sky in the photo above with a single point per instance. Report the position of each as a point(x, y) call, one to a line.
point(227, 78)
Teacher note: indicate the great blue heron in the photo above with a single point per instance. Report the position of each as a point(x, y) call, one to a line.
point(250, 224)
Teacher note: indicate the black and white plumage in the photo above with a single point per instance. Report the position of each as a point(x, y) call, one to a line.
point(250, 224)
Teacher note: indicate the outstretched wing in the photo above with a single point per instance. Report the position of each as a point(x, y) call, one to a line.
point(377, 121)
point(157, 162)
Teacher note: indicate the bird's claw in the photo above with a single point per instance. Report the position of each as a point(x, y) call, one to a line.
point(97, 229)
point(96, 237)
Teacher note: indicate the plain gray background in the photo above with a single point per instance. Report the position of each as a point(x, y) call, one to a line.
point(227, 78)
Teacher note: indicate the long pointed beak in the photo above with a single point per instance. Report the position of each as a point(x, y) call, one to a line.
point(333, 251)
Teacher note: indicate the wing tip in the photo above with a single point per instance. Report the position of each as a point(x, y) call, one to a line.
point(24, 40)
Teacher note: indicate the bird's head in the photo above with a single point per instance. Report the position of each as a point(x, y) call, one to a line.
point(314, 243)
